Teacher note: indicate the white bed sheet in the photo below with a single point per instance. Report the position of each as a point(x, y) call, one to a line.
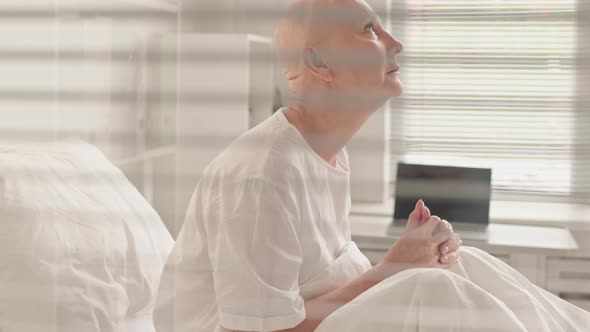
point(480, 293)
point(80, 249)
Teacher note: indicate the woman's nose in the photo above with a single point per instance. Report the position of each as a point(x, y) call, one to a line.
point(399, 46)
point(394, 44)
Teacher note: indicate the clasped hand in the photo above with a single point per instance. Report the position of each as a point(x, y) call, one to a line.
point(427, 241)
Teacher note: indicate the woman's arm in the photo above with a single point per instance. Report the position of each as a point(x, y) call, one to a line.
point(417, 247)
point(320, 307)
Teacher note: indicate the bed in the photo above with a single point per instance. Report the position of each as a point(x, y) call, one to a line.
point(81, 248)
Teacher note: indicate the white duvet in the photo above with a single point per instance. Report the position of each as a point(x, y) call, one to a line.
point(480, 293)
point(80, 249)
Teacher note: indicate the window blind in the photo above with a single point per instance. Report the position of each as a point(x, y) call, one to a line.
point(491, 83)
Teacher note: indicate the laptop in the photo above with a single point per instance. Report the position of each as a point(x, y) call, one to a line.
point(460, 195)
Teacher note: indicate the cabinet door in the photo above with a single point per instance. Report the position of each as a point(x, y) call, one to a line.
point(570, 279)
point(503, 257)
point(212, 109)
point(532, 266)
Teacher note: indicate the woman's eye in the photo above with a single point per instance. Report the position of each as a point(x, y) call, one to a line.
point(369, 28)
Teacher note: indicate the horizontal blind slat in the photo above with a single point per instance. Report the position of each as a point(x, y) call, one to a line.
point(491, 83)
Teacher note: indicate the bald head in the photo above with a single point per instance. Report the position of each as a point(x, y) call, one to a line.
point(302, 26)
point(337, 48)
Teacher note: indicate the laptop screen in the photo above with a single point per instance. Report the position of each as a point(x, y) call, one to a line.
point(457, 194)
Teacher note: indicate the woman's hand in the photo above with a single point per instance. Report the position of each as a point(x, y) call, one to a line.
point(448, 250)
point(427, 241)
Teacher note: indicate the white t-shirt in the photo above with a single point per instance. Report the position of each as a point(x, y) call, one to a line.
point(266, 229)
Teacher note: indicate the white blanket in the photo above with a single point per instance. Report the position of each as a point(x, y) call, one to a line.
point(80, 249)
point(480, 293)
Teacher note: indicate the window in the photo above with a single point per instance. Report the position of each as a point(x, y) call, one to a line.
point(491, 83)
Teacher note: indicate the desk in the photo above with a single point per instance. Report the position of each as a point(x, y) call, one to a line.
point(371, 232)
point(548, 256)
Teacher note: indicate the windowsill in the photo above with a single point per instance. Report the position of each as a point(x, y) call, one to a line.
point(572, 216)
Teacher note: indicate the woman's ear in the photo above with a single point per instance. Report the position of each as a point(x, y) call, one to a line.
point(316, 65)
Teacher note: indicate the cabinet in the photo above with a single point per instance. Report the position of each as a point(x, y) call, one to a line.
point(569, 275)
point(203, 91)
point(551, 264)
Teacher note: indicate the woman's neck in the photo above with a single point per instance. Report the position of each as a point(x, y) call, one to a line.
point(326, 131)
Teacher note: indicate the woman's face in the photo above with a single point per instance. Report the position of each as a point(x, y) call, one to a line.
point(361, 54)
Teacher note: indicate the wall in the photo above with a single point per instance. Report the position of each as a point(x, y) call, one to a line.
point(232, 16)
point(73, 73)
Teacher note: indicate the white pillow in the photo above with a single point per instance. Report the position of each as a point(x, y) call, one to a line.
point(80, 249)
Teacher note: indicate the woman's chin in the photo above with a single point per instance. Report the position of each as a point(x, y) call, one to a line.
point(396, 89)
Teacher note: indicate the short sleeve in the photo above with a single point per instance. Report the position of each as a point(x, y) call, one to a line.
point(255, 252)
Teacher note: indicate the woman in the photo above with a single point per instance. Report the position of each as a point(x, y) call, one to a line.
point(266, 242)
